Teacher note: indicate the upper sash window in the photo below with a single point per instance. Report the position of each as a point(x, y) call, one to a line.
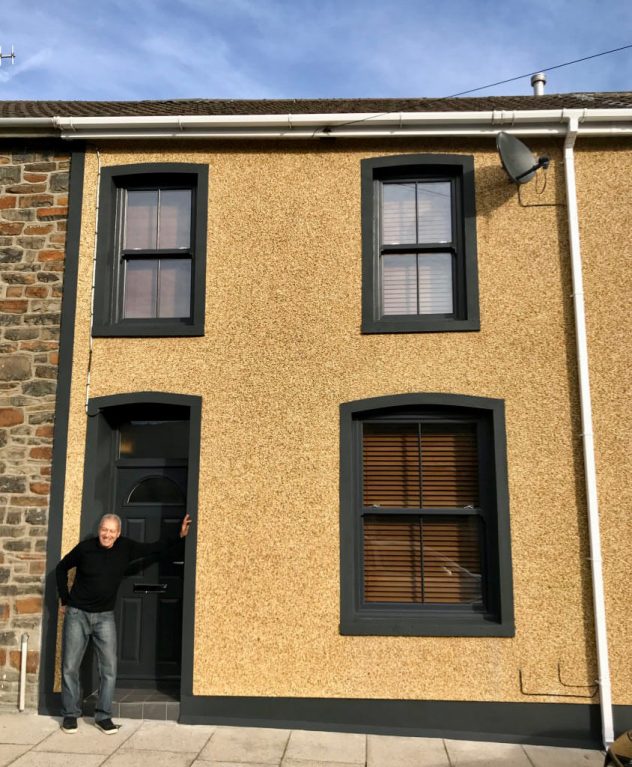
point(419, 244)
point(151, 250)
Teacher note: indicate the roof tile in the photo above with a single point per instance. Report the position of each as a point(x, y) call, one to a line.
point(181, 107)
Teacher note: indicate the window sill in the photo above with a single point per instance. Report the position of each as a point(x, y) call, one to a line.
point(420, 326)
point(148, 330)
point(428, 625)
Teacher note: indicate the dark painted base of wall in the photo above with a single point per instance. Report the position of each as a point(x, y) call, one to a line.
point(548, 724)
point(557, 724)
point(50, 704)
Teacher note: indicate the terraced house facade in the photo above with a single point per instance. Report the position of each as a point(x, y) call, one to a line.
point(390, 389)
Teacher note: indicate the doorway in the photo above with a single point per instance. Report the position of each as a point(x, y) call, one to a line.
point(142, 460)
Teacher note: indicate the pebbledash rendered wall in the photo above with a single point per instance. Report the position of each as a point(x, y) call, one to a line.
point(604, 169)
point(33, 215)
point(281, 351)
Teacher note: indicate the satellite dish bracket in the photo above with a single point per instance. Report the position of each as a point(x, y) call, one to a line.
point(543, 162)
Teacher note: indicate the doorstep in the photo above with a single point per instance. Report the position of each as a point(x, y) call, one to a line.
point(163, 704)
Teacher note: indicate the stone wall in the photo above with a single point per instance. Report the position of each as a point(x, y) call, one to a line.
point(33, 215)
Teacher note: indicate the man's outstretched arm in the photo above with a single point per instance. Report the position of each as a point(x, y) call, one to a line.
point(141, 550)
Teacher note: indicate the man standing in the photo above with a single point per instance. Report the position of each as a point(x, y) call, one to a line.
point(89, 612)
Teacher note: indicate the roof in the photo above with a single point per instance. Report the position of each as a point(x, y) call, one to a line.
point(173, 107)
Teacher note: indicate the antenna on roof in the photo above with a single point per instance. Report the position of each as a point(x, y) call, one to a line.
point(7, 56)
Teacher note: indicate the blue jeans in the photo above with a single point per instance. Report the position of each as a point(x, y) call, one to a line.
point(79, 626)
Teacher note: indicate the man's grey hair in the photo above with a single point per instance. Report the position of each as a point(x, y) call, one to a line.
point(115, 517)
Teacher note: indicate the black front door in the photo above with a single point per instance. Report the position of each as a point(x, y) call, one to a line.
point(151, 501)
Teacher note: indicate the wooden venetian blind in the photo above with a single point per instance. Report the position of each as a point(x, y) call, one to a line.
point(419, 466)
point(422, 560)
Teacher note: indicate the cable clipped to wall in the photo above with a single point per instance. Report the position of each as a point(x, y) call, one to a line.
point(94, 266)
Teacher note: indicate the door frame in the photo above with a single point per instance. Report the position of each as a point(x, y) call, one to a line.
point(98, 488)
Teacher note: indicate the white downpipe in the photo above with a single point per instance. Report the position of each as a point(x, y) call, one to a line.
point(605, 690)
point(24, 646)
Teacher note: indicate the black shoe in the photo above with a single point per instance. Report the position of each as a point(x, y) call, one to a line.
point(69, 725)
point(107, 726)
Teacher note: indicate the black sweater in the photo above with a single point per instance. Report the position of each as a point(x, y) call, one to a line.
point(100, 571)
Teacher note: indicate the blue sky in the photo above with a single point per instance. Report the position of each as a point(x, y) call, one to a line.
point(154, 49)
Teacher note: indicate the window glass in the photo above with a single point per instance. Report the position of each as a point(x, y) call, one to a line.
point(449, 465)
point(157, 288)
point(154, 439)
point(141, 285)
point(434, 212)
point(141, 220)
point(156, 490)
point(399, 284)
point(391, 465)
point(422, 560)
point(420, 466)
point(416, 212)
point(399, 216)
point(175, 219)
point(417, 283)
point(424, 522)
point(175, 287)
point(435, 283)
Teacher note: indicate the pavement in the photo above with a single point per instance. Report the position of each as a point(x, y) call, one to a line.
point(29, 740)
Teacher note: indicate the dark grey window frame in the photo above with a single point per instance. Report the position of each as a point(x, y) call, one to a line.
point(459, 170)
point(107, 301)
point(359, 618)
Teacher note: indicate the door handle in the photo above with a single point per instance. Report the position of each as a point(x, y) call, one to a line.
point(149, 588)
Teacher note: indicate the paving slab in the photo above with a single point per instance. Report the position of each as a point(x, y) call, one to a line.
point(89, 740)
point(213, 763)
point(137, 758)
point(26, 728)
point(549, 756)
point(324, 747)
point(170, 736)
point(9, 752)
point(247, 745)
point(310, 763)
point(387, 750)
point(471, 753)
point(43, 759)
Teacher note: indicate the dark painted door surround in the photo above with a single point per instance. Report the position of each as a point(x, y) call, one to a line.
point(150, 478)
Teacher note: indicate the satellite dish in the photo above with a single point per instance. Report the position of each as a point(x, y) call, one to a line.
point(517, 160)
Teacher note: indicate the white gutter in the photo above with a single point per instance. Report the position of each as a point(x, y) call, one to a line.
point(590, 472)
point(27, 122)
point(528, 122)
